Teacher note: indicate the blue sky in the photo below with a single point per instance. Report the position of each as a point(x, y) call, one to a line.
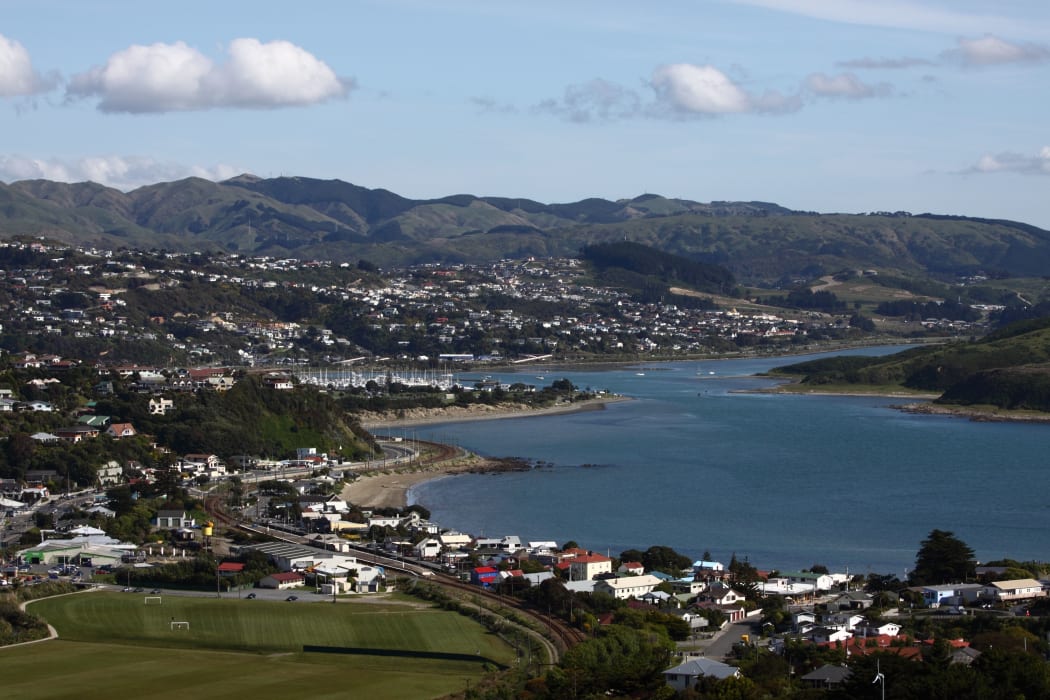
point(825, 105)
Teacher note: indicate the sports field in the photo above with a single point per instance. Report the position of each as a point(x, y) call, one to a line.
point(112, 645)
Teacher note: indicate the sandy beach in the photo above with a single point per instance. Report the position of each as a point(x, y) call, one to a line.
point(389, 488)
point(475, 412)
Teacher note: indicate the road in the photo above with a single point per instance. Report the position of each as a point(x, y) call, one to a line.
point(721, 645)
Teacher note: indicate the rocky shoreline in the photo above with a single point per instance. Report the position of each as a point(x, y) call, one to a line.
point(981, 414)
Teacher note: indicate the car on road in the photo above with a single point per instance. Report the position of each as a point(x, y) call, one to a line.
point(155, 591)
point(250, 596)
point(138, 590)
point(126, 589)
point(292, 598)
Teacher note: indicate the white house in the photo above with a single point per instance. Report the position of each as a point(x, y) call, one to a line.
point(627, 586)
point(1016, 589)
point(429, 548)
point(821, 582)
point(586, 566)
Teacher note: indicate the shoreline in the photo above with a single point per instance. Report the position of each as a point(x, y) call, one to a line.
point(480, 412)
point(390, 488)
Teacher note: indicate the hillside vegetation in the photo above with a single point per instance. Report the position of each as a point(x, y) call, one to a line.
point(760, 243)
point(1008, 369)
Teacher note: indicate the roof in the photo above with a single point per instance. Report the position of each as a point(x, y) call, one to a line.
point(1016, 583)
point(829, 673)
point(231, 566)
point(287, 576)
point(704, 667)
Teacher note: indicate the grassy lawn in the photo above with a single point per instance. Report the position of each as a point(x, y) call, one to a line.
point(114, 643)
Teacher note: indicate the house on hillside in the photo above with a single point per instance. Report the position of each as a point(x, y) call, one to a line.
point(1016, 589)
point(686, 675)
point(121, 430)
point(587, 566)
point(627, 586)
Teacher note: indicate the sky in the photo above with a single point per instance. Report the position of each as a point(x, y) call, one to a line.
point(820, 105)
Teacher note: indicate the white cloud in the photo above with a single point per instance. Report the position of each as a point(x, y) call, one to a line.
point(17, 75)
point(1008, 162)
point(991, 50)
point(696, 89)
point(177, 77)
point(120, 172)
point(845, 85)
point(903, 14)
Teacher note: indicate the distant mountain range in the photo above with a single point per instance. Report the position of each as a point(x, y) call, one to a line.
point(329, 219)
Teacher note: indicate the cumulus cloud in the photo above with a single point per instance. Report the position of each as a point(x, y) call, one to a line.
point(120, 172)
point(1008, 162)
point(699, 89)
point(845, 85)
point(596, 100)
point(177, 77)
point(17, 75)
point(990, 50)
point(688, 89)
point(884, 63)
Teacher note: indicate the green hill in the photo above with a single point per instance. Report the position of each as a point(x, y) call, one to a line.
point(1007, 369)
point(761, 243)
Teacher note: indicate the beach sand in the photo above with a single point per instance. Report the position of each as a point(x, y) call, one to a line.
point(389, 488)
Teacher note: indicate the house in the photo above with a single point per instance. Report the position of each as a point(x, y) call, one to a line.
point(951, 594)
point(627, 586)
point(877, 629)
point(484, 576)
point(721, 594)
point(1016, 589)
point(631, 568)
point(173, 520)
point(828, 635)
point(688, 674)
point(283, 580)
point(77, 433)
point(820, 582)
point(230, 568)
point(161, 406)
point(121, 430)
point(109, 473)
point(827, 677)
point(588, 566)
point(428, 548)
point(851, 600)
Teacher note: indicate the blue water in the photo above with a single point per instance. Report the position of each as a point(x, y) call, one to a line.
point(784, 481)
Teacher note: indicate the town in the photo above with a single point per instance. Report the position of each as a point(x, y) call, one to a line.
point(123, 471)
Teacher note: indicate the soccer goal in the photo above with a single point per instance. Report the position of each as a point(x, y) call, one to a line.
point(179, 625)
point(152, 600)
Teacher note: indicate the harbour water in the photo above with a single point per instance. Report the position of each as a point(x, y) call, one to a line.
point(785, 481)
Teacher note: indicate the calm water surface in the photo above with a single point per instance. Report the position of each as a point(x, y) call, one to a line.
point(785, 481)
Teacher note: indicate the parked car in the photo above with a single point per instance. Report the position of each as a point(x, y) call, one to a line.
point(292, 598)
point(250, 596)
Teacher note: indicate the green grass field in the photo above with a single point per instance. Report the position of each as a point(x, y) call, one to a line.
point(112, 645)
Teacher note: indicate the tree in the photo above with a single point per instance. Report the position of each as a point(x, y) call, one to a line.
point(942, 558)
